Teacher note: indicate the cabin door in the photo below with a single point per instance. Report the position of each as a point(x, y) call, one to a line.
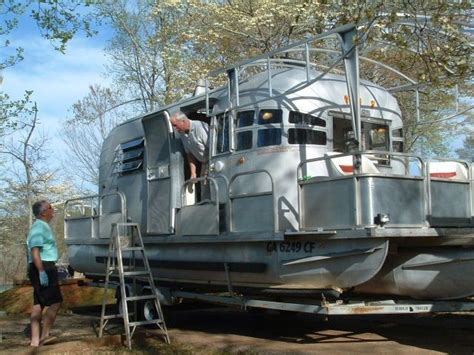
point(158, 133)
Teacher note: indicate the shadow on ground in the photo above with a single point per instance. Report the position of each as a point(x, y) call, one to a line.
point(203, 329)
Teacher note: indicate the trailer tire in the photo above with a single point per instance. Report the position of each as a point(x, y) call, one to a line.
point(147, 310)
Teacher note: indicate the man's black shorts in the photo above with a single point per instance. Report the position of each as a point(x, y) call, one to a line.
point(45, 296)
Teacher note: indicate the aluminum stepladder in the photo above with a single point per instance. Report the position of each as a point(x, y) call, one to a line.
point(125, 238)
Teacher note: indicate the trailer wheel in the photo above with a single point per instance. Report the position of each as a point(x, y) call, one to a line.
point(149, 310)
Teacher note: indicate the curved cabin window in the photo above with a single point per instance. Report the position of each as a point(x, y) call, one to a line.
point(270, 117)
point(222, 133)
point(397, 143)
point(376, 136)
point(397, 132)
point(129, 156)
point(306, 136)
point(397, 146)
point(303, 118)
point(269, 136)
point(245, 118)
point(244, 140)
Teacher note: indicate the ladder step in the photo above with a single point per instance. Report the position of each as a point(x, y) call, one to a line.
point(145, 322)
point(140, 298)
point(132, 249)
point(113, 316)
point(135, 273)
point(125, 268)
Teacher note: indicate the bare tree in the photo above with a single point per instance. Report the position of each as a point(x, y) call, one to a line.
point(25, 177)
point(94, 116)
point(149, 56)
point(27, 153)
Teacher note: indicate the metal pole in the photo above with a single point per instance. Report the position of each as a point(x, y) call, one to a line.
point(351, 63)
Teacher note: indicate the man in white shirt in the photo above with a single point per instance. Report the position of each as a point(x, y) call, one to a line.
point(195, 139)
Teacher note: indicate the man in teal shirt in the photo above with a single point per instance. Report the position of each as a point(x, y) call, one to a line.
point(42, 257)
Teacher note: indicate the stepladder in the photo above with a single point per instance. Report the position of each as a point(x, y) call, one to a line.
point(127, 262)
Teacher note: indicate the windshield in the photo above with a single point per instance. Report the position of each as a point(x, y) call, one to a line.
point(374, 136)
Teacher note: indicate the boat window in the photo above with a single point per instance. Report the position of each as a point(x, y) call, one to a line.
point(306, 136)
point(269, 116)
point(376, 136)
point(298, 117)
point(341, 129)
point(245, 118)
point(222, 141)
point(269, 136)
point(129, 156)
point(397, 146)
point(397, 132)
point(244, 140)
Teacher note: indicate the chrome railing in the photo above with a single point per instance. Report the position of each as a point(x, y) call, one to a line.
point(93, 205)
point(395, 165)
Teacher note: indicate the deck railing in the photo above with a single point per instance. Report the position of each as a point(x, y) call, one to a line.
point(84, 215)
point(361, 187)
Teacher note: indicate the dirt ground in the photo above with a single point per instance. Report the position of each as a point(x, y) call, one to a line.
point(198, 329)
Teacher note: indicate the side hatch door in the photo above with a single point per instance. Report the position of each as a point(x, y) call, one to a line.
point(160, 198)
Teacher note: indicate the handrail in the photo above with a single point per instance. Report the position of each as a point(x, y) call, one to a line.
point(233, 70)
point(424, 170)
point(300, 63)
point(123, 204)
point(195, 181)
point(469, 180)
point(91, 197)
point(229, 193)
point(460, 161)
point(356, 173)
point(334, 32)
point(123, 207)
point(287, 92)
point(359, 153)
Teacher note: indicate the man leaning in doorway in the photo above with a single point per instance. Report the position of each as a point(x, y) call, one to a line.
point(42, 257)
point(195, 139)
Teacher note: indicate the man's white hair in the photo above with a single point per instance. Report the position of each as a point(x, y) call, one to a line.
point(180, 116)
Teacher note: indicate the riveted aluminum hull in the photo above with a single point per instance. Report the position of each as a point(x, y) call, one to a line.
point(304, 263)
point(432, 273)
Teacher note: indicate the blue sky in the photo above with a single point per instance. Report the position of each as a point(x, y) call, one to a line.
point(57, 80)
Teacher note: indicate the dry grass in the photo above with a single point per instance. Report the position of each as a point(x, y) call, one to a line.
point(20, 299)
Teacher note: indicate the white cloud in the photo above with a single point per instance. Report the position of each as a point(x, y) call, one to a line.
point(57, 80)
